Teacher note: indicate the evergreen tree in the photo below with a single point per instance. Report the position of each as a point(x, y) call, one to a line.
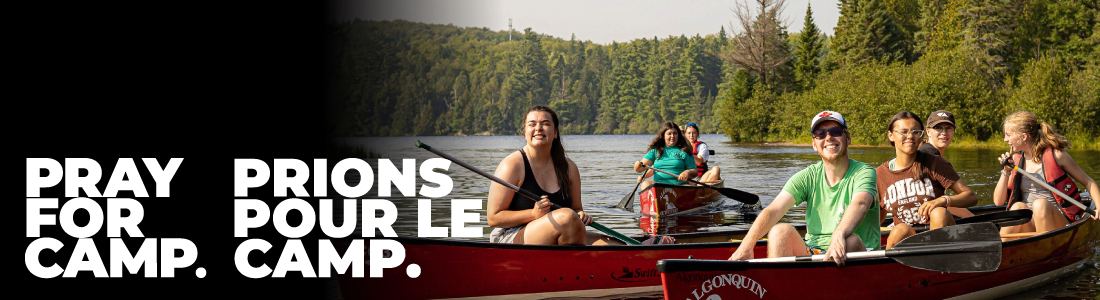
point(807, 52)
point(867, 31)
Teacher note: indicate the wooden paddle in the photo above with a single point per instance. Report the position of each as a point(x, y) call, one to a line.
point(629, 197)
point(966, 248)
point(735, 194)
point(523, 192)
point(1008, 162)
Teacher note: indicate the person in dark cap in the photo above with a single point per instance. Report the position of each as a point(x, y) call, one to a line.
point(839, 192)
point(941, 131)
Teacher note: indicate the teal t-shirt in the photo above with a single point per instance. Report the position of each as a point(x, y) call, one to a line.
point(825, 204)
point(674, 160)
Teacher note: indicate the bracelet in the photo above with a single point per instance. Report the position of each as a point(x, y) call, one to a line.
point(948, 204)
point(1004, 172)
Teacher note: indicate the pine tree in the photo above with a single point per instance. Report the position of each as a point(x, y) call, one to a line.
point(867, 31)
point(806, 54)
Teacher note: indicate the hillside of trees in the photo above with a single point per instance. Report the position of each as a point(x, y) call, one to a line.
point(756, 82)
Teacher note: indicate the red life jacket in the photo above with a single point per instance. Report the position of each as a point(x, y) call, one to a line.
point(695, 152)
point(1056, 178)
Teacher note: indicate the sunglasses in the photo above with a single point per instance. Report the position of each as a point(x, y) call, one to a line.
point(834, 131)
point(941, 128)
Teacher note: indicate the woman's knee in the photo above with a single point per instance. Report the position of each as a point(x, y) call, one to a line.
point(1018, 206)
point(565, 216)
point(939, 214)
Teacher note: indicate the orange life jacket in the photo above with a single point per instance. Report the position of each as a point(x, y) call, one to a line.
point(1056, 178)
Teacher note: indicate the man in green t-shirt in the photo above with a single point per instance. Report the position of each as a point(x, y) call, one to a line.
point(839, 194)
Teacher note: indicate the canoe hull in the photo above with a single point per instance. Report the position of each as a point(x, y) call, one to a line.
point(466, 269)
point(668, 200)
point(1026, 263)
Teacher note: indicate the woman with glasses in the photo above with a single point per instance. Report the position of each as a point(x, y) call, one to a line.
point(940, 132)
point(1039, 150)
point(912, 185)
point(701, 154)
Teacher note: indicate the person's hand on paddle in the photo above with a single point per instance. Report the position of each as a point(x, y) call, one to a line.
point(685, 175)
point(639, 166)
point(541, 207)
point(836, 251)
point(585, 218)
point(743, 253)
point(1000, 161)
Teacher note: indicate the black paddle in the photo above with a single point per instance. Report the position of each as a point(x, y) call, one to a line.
point(735, 194)
point(966, 248)
point(629, 197)
point(523, 192)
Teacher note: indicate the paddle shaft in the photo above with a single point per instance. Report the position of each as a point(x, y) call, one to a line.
point(1051, 188)
point(523, 192)
point(678, 175)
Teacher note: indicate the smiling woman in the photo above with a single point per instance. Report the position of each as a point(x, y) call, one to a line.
point(912, 185)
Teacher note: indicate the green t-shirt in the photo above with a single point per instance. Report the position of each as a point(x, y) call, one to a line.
point(674, 161)
point(825, 204)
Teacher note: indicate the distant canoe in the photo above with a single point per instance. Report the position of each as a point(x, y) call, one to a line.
point(662, 199)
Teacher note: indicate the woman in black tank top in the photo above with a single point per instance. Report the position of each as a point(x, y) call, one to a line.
point(542, 168)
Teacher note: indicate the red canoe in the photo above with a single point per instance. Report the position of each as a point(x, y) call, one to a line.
point(459, 269)
point(1025, 263)
point(662, 199)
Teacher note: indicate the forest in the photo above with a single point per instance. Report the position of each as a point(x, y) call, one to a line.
point(753, 81)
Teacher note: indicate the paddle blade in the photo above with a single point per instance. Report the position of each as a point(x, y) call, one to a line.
point(629, 197)
point(967, 248)
point(739, 195)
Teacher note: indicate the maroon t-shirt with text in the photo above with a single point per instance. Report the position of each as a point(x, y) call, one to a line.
point(902, 194)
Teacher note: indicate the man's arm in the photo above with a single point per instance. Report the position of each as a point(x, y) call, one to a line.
point(764, 222)
point(853, 215)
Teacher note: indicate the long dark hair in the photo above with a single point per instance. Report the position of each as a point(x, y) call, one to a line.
point(659, 141)
point(918, 163)
point(557, 151)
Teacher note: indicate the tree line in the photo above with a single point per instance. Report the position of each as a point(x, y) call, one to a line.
point(759, 82)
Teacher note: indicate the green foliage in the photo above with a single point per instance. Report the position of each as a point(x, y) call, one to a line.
point(807, 51)
point(866, 32)
point(1061, 96)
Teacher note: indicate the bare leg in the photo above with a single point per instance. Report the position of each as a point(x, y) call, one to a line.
point(1047, 216)
point(961, 212)
point(783, 240)
point(597, 239)
point(559, 227)
point(854, 244)
point(1026, 227)
point(940, 218)
point(711, 176)
point(900, 232)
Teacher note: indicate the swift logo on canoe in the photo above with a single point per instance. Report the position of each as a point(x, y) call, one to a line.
point(727, 281)
point(638, 275)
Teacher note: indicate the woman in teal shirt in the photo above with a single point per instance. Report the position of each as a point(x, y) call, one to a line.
point(669, 151)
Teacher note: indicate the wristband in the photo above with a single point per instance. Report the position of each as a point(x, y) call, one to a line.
point(948, 204)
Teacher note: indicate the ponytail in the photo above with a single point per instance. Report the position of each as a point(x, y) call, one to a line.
point(1049, 138)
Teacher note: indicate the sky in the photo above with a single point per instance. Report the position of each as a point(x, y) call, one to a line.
point(599, 21)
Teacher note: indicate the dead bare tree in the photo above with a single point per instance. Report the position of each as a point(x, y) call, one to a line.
point(761, 47)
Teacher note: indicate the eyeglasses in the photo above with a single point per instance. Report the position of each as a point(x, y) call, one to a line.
point(834, 131)
point(942, 128)
point(913, 133)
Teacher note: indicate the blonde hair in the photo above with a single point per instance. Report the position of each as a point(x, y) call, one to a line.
point(1045, 134)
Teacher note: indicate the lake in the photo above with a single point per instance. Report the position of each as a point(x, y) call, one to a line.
point(605, 164)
